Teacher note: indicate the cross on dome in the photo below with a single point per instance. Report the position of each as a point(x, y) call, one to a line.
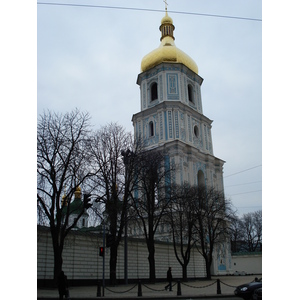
point(165, 4)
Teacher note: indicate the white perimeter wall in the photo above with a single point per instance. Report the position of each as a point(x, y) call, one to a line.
point(81, 259)
point(250, 264)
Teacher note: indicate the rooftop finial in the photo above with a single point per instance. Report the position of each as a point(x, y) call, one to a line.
point(165, 4)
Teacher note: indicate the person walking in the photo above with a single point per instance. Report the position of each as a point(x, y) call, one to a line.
point(169, 278)
point(63, 286)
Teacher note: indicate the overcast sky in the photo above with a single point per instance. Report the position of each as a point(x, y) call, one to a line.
point(89, 57)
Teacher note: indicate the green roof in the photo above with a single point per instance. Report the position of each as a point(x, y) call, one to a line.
point(76, 207)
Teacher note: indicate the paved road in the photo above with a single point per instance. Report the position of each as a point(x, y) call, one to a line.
point(198, 289)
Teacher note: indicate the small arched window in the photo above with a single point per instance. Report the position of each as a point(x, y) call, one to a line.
point(201, 179)
point(190, 93)
point(154, 91)
point(196, 131)
point(151, 129)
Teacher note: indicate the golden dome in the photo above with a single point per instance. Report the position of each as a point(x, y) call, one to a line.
point(167, 50)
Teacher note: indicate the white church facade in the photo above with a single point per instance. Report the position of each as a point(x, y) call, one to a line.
point(171, 115)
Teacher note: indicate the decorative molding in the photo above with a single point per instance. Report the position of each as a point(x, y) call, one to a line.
point(189, 128)
point(161, 91)
point(182, 127)
point(161, 133)
point(178, 67)
point(170, 123)
point(176, 125)
point(205, 137)
point(166, 126)
point(172, 86)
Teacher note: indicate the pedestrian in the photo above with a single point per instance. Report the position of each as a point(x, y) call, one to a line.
point(169, 279)
point(63, 286)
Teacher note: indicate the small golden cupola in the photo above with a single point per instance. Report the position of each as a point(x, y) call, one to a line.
point(167, 50)
point(64, 201)
point(78, 193)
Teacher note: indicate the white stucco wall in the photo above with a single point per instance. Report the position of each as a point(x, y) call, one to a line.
point(81, 259)
point(250, 264)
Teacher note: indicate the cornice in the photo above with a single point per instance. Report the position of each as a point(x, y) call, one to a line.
point(162, 67)
point(172, 105)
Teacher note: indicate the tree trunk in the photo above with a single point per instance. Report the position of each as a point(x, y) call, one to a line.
point(208, 262)
point(207, 265)
point(113, 263)
point(151, 259)
point(184, 272)
point(57, 264)
point(57, 252)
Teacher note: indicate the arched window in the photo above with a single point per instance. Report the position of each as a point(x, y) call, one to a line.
point(190, 93)
point(151, 129)
point(201, 179)
point(196, 131)
point(154, 91)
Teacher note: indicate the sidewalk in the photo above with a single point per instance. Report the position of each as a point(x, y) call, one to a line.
point(190, 289)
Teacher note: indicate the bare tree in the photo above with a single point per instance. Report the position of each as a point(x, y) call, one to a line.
point(181, 218)
point(152, 196)
point(236, 234)
point(62, 165)
point(112, 182)
point(213, 213)
point(252, 230)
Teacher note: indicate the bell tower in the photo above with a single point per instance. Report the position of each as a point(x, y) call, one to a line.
point(171, 115)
